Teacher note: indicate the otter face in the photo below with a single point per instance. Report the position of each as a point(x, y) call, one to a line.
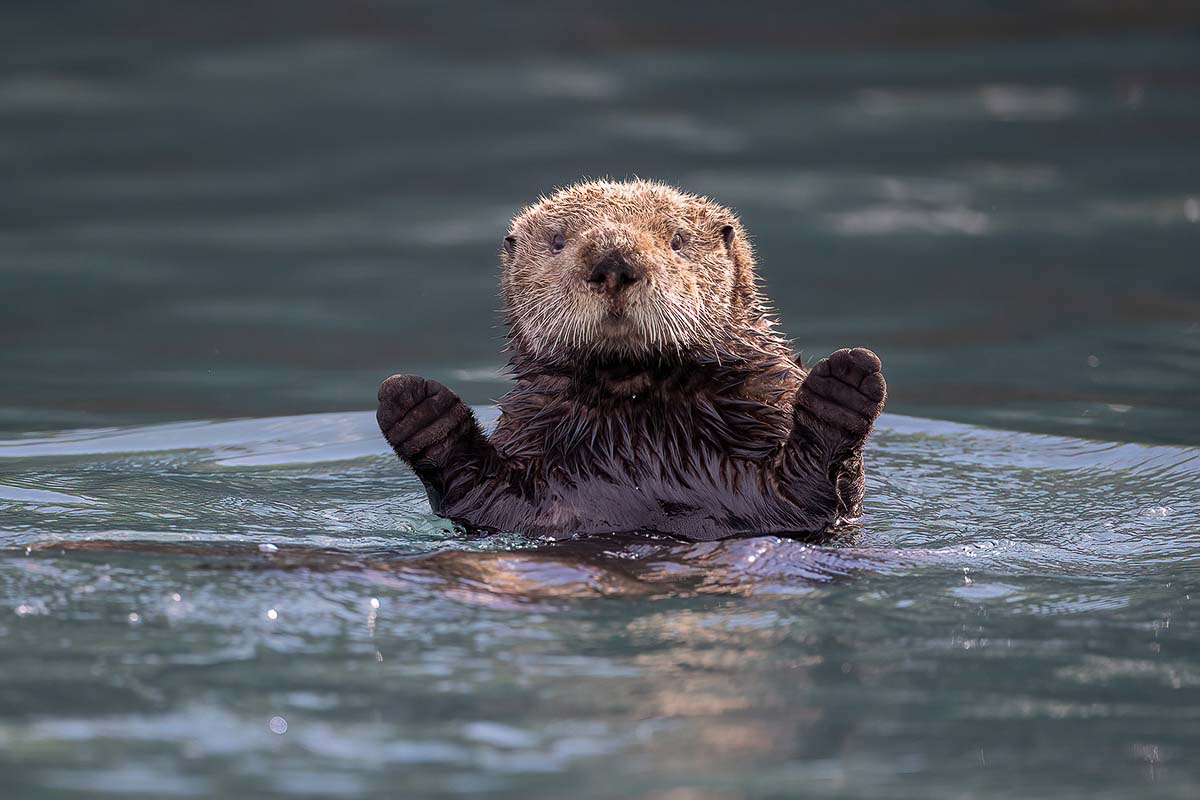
point(624, 269)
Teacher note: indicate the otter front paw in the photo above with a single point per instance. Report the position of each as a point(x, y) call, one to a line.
point(420, 418)
point(846, 390)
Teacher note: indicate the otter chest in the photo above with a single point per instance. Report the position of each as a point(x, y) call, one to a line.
point(655, 437)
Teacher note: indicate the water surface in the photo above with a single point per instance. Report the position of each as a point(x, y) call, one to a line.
point(222, 224)
point(1014, 615)
point(203, 222)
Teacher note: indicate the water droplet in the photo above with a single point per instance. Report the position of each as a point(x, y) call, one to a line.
point(24, 610)
point(267, 548)
point(176, 596)
point(134, 618)
point(1093, 361)
point(278, 725)
point(374, 602)
point(272, 613)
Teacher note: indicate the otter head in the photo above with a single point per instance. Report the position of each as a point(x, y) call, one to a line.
point(627, 271)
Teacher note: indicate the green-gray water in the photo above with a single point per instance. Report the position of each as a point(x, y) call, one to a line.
point(214, 218)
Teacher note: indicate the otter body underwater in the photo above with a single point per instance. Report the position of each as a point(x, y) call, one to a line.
point(653, 392)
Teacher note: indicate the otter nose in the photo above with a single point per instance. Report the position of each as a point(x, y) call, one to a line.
point(612, 272)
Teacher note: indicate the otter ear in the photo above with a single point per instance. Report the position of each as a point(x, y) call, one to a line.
point(742, 256)
point(510, 245)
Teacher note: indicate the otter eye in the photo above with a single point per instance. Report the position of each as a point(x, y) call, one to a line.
point(557, 243)
point(727, 234)
point(510, 244)
point(678, 241)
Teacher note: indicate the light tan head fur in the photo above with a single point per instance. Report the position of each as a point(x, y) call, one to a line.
point(627, 269)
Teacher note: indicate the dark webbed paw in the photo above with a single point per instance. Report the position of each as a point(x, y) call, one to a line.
point(846, 390)
point(420, 418)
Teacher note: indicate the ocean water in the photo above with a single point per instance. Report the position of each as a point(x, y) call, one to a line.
point(1013, 615)
point(222, 224)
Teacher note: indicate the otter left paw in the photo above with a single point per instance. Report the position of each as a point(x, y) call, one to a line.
point(846, 390)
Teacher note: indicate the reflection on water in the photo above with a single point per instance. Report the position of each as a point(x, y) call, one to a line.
point(267, 606)
point(613, 566)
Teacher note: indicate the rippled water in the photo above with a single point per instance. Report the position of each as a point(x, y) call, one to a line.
point(1014, 614)
point(215, 215)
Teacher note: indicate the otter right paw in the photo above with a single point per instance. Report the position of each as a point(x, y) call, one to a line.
point(420, 418)
point(846, 390)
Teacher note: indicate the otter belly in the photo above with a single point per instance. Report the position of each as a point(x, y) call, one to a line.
point(696, 512)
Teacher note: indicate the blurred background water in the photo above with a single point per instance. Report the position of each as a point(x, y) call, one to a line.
point(237, 209)
point(255, 210)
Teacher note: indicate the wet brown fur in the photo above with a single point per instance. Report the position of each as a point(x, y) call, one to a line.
point(652, 393)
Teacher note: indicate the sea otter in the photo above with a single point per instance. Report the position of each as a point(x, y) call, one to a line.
point(653, 392)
